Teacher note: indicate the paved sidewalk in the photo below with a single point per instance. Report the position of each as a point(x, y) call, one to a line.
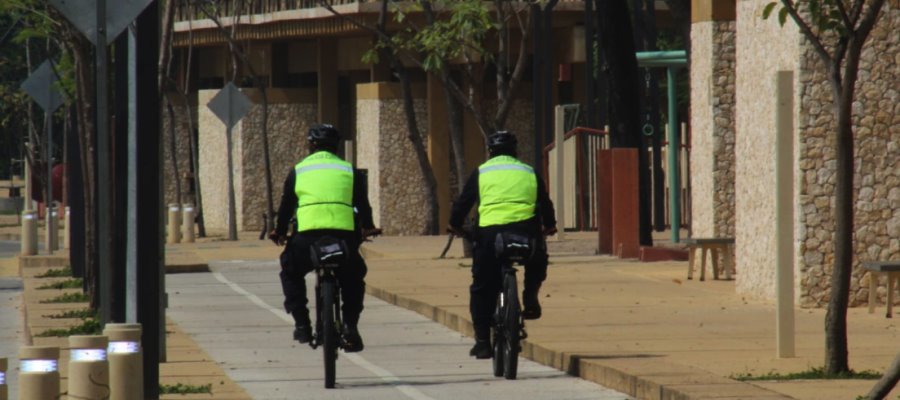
point(640, 328)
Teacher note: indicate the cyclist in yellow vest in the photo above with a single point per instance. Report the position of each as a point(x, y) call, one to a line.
point(328, 197)
point(510, 196)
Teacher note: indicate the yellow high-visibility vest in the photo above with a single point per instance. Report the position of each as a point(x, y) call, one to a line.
point(324, 186)
point(507, 191)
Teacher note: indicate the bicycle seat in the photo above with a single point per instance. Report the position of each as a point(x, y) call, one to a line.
point(514, 246)
point(328, 252)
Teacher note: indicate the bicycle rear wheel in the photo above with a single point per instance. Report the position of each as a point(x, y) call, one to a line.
point(512, 327)
point(498, 337)
point(329, 333)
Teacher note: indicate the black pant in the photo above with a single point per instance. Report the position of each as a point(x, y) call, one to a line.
point(487, 276)
point(296, 263)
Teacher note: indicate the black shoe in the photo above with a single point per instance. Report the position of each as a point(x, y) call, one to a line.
point(530, 301)
point(303, 333)
point(352, 340)
point(482, 350)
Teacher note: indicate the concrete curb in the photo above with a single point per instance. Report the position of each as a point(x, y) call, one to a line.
point(641, 377)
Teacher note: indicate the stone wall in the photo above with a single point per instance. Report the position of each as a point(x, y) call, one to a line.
point(712, 128)
point(287, 125)
point(876, 124)
point(396, 185)
point(762, 49)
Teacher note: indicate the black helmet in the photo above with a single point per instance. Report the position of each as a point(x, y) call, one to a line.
point(502, 142)
point(324, 135)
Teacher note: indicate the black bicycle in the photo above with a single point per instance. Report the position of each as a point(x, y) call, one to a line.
point(328, 254)
point(511, 248)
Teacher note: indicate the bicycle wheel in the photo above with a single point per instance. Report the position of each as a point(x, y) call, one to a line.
point(512, 327)
point(329, 333)
point(497, 333)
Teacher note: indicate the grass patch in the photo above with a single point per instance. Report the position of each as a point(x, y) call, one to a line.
point(88, 327)
point(812, 373)
point(74, 283)
point(180, 388)
point(57, 273)
point(83, 313)
point(77, 297)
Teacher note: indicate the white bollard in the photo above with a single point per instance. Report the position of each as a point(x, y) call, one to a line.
point(187, 226)
point(67, 235)
point(29, 233)
point(173, 233)
point(88, 367)
point(126, 365)
point(51, 242)
point(4, 390)
point(39, 373)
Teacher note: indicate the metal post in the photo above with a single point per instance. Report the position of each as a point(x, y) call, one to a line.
point(131, 314)
point(784, 212)
point(674, 191)
point(50, 224)
point(590, 113)
point(560, 169)
point(232, 213)
point(104, 234)
point(149, 204)
point(28, 186)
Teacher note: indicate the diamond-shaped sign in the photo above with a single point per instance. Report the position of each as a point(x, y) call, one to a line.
point(41, 86)
point(83, 14)
point(230, 105)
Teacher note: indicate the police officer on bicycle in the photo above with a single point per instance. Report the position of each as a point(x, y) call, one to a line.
point(510, 196)
point(328, 198)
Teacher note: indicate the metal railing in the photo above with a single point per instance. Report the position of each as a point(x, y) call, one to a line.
point(188, 9)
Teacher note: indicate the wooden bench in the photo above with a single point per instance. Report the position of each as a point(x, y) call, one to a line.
point(713, 246)
point(892, 270)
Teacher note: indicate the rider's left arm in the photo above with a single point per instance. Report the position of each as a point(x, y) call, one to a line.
point(361, 200)
point(544, 206)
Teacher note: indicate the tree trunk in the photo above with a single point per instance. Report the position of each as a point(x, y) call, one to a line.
point(84, 81)
point(173, 149)
point(615, 22)
point(887, 382)
point(270, 208)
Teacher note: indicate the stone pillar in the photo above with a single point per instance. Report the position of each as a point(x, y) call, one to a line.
point(291, 112)
point(712, 117)
point(396, 186)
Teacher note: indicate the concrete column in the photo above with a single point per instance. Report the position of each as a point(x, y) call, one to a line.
point(327, 68)
point(439, 146)
point(126, 370)
point(88, 367)
point(784, 212)
point(187, 226)
point(173, 231)
point(39, 373)
point(29, 233)
point(51, 240)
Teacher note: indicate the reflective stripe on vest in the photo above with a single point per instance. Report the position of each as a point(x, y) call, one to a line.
point(507, 191)
point(324, 186)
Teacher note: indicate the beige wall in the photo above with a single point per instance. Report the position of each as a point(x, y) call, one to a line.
point(763, 48)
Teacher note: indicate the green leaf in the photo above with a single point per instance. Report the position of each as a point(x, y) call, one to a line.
point(768, 10)
point(782, 16)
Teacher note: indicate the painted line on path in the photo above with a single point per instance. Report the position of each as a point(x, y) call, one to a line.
point(357, 359)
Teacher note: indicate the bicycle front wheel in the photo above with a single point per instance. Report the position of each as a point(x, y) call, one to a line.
point(329, 332)
point(512, 326)
point(499, 340)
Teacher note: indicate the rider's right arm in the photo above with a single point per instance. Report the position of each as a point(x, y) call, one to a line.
point(465, 201)
point(288, 205)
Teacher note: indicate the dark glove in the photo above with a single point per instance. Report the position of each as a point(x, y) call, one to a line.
point(455, 230)
point(549, 231)
point(279, 240)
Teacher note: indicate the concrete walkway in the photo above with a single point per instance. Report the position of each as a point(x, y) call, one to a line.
point(639, 328)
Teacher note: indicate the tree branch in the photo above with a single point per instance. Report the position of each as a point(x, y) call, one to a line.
point(805, 29)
